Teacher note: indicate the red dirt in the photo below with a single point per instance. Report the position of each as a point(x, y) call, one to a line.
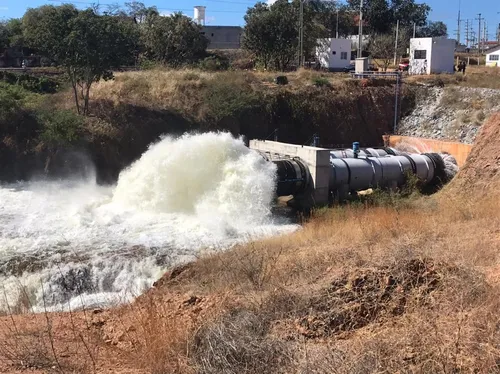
point(482, 169)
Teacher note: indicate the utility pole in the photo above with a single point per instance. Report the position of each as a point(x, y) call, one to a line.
point(301, 34)
point(459, 23)
point(485, 33)
point(396, 45)
point(414, 29)
point(467, 33)
point(337, 26)
point(479, 33)
point(360, 36)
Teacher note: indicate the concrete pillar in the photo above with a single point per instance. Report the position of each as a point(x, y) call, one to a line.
point(316, 159)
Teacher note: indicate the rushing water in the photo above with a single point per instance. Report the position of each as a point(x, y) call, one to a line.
point(72, 243)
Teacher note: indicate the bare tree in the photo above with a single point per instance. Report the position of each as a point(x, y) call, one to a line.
point(382, 48)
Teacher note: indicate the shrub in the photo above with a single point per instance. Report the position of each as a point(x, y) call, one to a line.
point(231, 97)
point(31, 83)
point(215, 63)
point(321, 82)
point(60, 127)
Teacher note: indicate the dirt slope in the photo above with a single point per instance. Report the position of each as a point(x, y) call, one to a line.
point(482, 169)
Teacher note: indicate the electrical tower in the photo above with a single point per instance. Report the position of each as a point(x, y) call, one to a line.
point(480, 19)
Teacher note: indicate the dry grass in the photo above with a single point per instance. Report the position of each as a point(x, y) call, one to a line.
point(476, 76)
point(442, 320)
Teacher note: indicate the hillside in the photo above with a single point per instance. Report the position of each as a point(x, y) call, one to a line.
point(391, 286)
point(136, 108)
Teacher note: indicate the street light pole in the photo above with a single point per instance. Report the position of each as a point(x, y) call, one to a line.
point(360, 40)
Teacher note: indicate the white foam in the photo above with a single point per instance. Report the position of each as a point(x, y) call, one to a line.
point(100, 244)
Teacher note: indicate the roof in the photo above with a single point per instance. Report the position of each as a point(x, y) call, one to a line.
point(493, 49)
point(221, 27)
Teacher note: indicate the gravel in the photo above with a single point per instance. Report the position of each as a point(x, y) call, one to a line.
point(450, 113)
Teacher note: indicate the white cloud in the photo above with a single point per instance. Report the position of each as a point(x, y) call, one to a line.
point(165, 14)
point(4, 8)
point(271, 2)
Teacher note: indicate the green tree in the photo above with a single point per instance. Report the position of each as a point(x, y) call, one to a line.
point(381, 15)
point(46, 28)
point(432, 29)
point(271, 33)
point(15, 30)
point(4, 36)
point(87, 45)
point(173, 40)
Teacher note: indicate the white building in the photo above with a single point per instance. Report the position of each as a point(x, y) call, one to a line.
point(432, 55)
point(333, 54)
point(493, 57)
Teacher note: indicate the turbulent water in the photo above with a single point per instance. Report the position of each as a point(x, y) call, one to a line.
point(70, 243)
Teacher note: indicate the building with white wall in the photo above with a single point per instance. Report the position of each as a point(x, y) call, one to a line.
point(333, 54)
point(432, 55)
point(493, 57)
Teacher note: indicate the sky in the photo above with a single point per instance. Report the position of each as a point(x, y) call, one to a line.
point(229, 12)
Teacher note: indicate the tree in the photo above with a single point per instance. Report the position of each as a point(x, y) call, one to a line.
point(87, 45)
point(15, 31)
point(46, 28)
point(382, 47)
point(4, 37)
point(432, 29)
point(271, 33)
point(381, 15)
point(174, 40)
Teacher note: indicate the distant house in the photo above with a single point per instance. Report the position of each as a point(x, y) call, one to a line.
point(432, 55)
point(333, 54)
point(493, 57)
point(223, 37)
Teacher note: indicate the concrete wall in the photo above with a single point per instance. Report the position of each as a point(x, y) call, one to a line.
point(458, 150)
point(223, 37)
point(420, 66)
point(442, 56)
point(329, 53)
point(316, 159)
point(490, 61)
point(439, 55)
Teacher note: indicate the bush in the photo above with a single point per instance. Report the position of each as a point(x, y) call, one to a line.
point(60, 127)
point(31, 83)
point(321, 82)
point(215, 63)
point(231, 97)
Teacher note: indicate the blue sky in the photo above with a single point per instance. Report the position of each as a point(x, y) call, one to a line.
point(229, 12)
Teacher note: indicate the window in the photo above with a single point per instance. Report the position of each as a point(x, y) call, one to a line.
point(334, 53)
point(343, 55)
point(494, 57)
point(420, 54)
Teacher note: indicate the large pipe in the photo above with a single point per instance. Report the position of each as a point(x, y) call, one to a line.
point(364, 152)
point(355, 174)
point(293, 177)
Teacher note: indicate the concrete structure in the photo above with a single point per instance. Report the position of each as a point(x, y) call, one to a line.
point(333, 54)
point(361, 65)
point(200, 14)
point(432, 55)
point(316, 159)
point(493, 57)
point(223, 37)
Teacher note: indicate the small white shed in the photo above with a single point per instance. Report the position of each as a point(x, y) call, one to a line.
point(493, 57)
point(432, 55)
point(333, 54)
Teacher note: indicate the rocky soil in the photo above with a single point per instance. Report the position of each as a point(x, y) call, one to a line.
point(451, 113)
